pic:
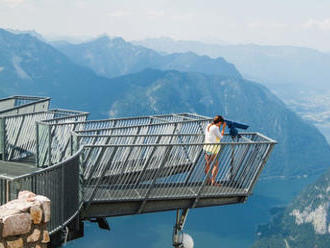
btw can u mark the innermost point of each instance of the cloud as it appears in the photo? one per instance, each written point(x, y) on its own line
point(319, 24)
point(155, 13)
point(265, 25)
point(183, 17)
point(12, 3)
point(119, 13)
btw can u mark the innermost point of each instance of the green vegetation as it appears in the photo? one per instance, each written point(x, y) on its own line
point(304, 223)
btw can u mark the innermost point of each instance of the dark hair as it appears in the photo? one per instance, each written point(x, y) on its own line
point(217, 119)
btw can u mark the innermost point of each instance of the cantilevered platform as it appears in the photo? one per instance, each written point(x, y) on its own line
point(121, 166)
point(121, 208)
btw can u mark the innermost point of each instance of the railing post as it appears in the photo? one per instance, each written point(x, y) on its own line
point(71, 142)
point(62, 193)
point(3, 138)
point(68, 144)
point(16, 139)
point(81, 178)
point(7, 191)
point(37, 145)
point(49, 145)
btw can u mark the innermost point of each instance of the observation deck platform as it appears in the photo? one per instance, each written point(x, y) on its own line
point(121, 166)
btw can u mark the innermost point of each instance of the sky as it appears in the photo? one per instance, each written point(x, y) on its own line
point(267, 22)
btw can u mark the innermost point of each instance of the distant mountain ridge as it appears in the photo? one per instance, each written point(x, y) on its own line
point(33, 33)
point(30, 66)
point(304, 223)
point(116, 57)
point(271, 65)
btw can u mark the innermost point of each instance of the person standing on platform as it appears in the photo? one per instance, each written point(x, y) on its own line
point(213, 134)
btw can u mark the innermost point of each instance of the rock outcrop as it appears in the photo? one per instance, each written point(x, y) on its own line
point(23, 222)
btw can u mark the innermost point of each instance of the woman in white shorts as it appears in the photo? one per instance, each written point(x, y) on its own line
point(213, 135)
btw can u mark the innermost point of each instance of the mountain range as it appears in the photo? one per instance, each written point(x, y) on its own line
point(30, 66)
point(116, 57)
point(304, 223)
point(271, 65)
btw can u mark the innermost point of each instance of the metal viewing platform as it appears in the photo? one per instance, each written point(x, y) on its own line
point(99, 168)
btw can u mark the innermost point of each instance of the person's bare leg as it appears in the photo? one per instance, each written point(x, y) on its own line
point(207, 164)
point(208, 159)
point(215, 171)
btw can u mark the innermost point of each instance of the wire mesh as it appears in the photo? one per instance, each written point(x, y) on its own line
point(23, 104)
point(172, 166)
point(59, 183)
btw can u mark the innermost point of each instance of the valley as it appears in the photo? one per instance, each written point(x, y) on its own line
point(312, 105)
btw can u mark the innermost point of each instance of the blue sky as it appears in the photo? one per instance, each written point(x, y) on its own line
point(274, 22)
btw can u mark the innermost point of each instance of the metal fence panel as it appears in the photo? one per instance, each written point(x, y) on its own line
point(59, 183)
point(23, 104)
point(172, 168)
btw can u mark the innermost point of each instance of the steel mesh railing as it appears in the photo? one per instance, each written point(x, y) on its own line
point(169, 169)
point(23, 104)
point(60, 183)
point(53, 136)
point(167, 127)
point(56, 135)
point(18, 134)
point(20, 137)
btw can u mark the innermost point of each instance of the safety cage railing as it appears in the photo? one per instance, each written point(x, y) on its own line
point(23, 104)
point(51, 141)
point(55, 137)
point(61, 183)
point(19, 133)
point(143, 167)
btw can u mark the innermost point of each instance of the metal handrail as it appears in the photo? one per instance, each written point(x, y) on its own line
point(127, 119)
point(54, 183)
point(267, 139)
point(35, 101)
point(180, 144)
point(146, 125)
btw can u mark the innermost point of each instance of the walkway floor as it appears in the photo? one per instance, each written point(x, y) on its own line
point(106, 194)
point(10, 169)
